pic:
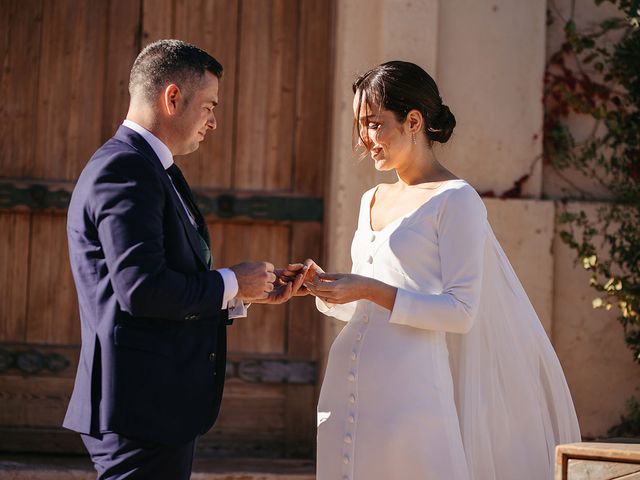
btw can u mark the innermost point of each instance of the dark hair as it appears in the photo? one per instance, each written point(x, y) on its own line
point(401, 87)
point(170, 61)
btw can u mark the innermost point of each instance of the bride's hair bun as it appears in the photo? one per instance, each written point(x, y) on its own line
point(440, 128)
point(401, 87)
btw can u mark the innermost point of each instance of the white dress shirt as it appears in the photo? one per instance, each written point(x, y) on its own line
point(236, 307)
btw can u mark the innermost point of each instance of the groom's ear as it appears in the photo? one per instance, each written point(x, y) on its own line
point(170, 98)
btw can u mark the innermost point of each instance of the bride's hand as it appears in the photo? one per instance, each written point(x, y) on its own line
point(289, 274)
point(339, 288)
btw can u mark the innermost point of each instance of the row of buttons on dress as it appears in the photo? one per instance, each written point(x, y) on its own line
point(371, 239)
point(351, 418)
point(352, 378)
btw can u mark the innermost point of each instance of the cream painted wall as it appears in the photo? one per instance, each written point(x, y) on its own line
point(590, 344)
point(525, 230)
point(491, 57)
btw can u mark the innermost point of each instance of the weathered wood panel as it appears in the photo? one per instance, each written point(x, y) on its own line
point(251, 409)
point(211, 25)
point(124, 40)
point(266, 101)
point(252, 418)
point(250, 413)
point(39, 360)
point(303, 327)
point(20, 29)
point(29, 401)
point(71, 79)
point(157, 20)
point(304, 322)
point(52, 308)
point(14, 266)
point(52, 440)
point(263, 331)
point(314, 93)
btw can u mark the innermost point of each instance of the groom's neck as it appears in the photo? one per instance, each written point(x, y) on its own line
point(146, 118)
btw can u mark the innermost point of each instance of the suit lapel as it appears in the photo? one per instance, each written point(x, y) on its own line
point(132, 138)
point(189, 229)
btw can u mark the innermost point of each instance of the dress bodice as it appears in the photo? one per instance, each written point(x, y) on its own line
point(405, 252)
point(420, 253)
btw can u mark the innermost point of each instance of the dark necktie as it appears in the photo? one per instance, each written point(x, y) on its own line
point(187, 197)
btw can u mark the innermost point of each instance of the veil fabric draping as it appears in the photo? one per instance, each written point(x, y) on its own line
point(508, 380)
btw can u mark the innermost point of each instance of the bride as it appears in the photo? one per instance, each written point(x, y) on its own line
point(443, 370)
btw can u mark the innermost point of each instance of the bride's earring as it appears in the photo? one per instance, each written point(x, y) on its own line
point(413, 137)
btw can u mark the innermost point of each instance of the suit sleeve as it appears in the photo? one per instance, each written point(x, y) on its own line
point(127, 207)
point(462, 223)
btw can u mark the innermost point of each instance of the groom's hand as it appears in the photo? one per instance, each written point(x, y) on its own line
point(285, 286)
point(310, 269)
point(295, 274)
point(255, 280)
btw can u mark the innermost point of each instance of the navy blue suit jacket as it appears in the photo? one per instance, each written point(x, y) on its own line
point(153, 350)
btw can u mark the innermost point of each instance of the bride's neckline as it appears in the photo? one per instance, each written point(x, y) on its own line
point(411, 212)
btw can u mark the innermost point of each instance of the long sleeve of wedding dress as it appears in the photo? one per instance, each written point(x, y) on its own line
point(341, 312)
point(461, 226)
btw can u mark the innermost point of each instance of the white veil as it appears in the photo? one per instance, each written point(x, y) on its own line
point(513, 402)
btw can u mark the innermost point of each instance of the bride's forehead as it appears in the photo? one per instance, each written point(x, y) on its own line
point(363, 108)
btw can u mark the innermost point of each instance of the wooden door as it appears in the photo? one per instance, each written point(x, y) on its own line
point(259, 177)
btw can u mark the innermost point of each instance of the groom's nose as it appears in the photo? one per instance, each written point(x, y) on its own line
point(211, 122)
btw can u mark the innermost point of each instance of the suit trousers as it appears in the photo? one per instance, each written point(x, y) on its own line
point(116, 457)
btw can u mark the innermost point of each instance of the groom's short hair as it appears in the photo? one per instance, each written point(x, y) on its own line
point(164, 62)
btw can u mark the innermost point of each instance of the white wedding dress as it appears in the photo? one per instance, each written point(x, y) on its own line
point(459, 381)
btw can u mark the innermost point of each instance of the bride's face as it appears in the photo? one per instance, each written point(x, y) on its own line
point(386, 139)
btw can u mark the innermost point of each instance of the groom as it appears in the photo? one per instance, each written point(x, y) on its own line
point(153, 313)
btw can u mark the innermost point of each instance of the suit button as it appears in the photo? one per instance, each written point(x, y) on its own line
point(370, 259)
point(212, 357)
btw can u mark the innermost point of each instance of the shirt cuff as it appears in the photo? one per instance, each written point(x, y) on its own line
point(237, 309)
point(230, 286)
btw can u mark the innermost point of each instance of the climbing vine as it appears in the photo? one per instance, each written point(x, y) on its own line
point(595, 74)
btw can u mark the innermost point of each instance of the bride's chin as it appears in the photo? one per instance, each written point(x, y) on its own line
point(381, 165)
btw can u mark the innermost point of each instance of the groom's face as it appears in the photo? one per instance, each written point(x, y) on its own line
point(197, 115)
